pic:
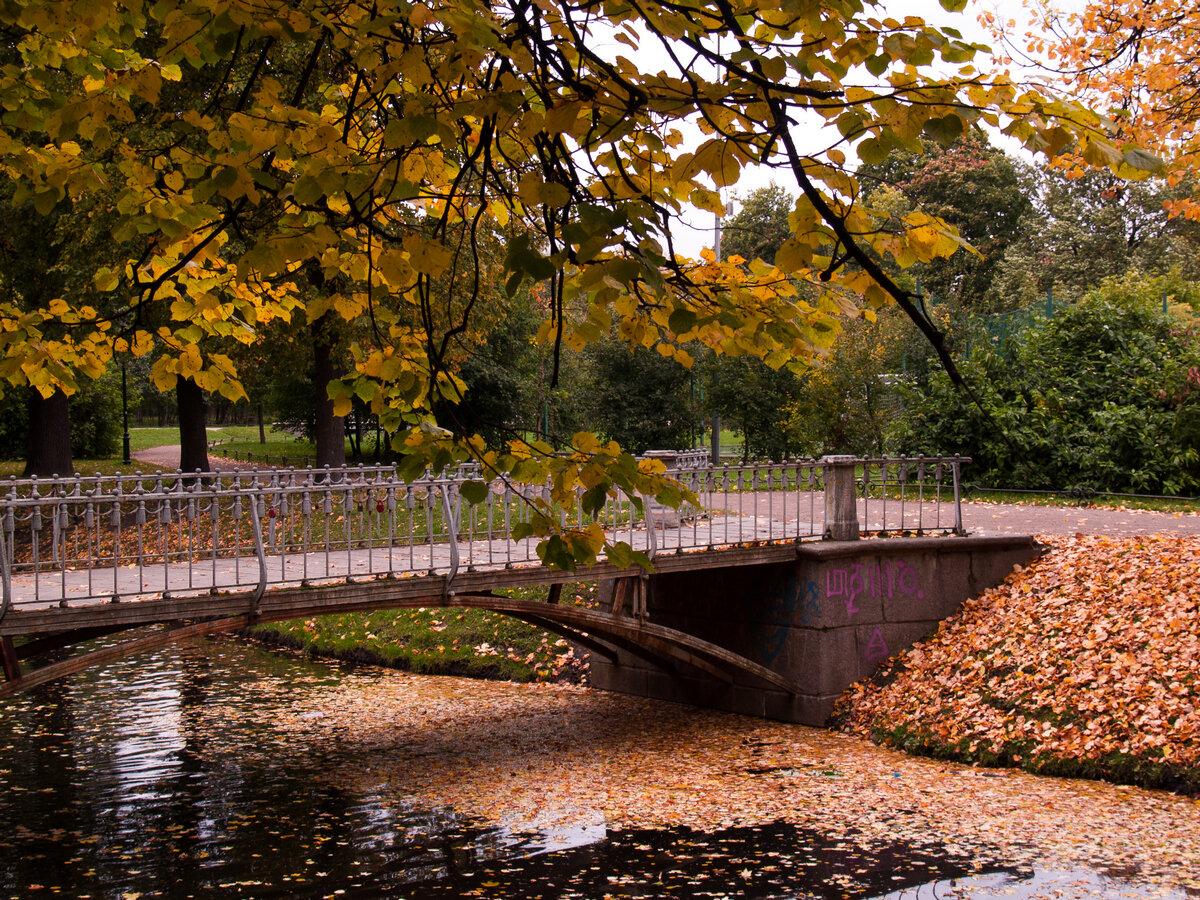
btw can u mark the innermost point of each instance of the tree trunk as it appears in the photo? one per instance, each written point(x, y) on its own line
point(193, 436)
point(49, 436)
point(331, 429)
point(262, 428)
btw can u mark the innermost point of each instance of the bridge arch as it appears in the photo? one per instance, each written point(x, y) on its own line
point(599, 631)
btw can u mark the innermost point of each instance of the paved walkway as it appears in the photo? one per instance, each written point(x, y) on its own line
point(1030, 519)
point(978, 516)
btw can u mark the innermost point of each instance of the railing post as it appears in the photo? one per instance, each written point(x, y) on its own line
point(841, 507)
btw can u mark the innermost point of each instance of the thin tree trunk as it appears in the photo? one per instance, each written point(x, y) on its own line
point(262, 429)
point(331, 429)
point(193, 436)
point(49, 435)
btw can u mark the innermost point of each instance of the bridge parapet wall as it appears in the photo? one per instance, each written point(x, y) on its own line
point(823, 621)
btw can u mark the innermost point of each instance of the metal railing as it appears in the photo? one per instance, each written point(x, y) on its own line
point(101, 538)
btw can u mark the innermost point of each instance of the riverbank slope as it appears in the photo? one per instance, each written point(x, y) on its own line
point(1085, 663)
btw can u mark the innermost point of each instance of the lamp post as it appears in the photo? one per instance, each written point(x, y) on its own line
point(125, 458)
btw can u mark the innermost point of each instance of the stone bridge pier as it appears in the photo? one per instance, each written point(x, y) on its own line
point(822, 621)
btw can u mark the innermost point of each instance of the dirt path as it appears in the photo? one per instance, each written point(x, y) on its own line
point(167, 458)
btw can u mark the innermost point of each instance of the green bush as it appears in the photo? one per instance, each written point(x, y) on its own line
point(1104, 395)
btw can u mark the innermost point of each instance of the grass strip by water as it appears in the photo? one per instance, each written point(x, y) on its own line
point(441, 640)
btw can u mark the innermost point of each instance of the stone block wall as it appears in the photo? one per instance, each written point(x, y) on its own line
point(823, 621)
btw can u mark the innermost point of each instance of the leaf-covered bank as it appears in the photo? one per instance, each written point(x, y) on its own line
point(1086, 663)
point(438, 641)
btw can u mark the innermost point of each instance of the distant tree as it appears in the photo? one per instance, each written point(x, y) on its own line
point(638, 397)
point(973, 186)
point(759, 228)
point(1085, 227)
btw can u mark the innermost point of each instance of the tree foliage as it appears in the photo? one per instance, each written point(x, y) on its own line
point(232, 148)
point(976, 188)
point(1137, 61)
point(1105, 395)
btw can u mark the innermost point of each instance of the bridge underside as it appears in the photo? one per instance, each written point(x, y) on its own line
point(622, 628)
point(778, 631)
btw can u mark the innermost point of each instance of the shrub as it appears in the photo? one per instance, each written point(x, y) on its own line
point(1106, 394)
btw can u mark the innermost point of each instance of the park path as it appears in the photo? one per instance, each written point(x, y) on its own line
point(978, 516)
point(1058, 520)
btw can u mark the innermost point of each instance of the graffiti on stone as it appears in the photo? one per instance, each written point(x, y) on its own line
point(810, 603)
point(877, 648)
point(874, 580)
point(798, 602)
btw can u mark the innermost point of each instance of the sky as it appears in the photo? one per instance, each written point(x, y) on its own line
point(697, 230)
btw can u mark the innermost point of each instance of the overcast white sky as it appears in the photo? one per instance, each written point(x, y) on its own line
point(696, 232)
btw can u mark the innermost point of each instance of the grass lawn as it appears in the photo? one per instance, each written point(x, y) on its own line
point(440, 640)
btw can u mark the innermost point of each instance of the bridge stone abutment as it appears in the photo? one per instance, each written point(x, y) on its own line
point(822, 621)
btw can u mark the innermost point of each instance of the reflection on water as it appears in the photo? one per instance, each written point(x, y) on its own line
point(166, 776)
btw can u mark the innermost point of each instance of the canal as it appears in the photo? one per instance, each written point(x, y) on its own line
point(224, 770)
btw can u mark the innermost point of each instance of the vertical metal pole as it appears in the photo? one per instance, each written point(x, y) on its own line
point(715, 450)
point(956, 468)
point(125, 458)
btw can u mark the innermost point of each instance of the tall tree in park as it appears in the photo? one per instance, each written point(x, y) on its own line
point(973, 186)
point(383, 141)
point(30, 249)
point(752, 397)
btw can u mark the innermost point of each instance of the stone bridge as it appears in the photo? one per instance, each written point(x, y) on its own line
point(762, 599)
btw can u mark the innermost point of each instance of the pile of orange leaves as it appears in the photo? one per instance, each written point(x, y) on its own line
point(1086, 663)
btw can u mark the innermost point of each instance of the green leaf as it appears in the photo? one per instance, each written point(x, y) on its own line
point(411, 466)
point(593, 500)
point(474, 492)
point(682, 321)
point(877, 65)
point(624, 556)
point(945, 130)
point(554, 552)
point(872, 151)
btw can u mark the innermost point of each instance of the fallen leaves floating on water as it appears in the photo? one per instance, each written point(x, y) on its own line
point(558, 757)
point(1086, 662)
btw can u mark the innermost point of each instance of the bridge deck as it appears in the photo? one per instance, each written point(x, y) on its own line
point(90, 557)
point(340, 580)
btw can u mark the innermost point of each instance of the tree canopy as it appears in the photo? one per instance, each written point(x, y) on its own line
point(236, 151)
point(1138, 62)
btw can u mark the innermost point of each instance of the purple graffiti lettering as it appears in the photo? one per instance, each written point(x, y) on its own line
point(854, 587)
point(835, 582)
point(877, 648)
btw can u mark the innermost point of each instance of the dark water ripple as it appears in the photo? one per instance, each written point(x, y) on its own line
point(121, 783)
